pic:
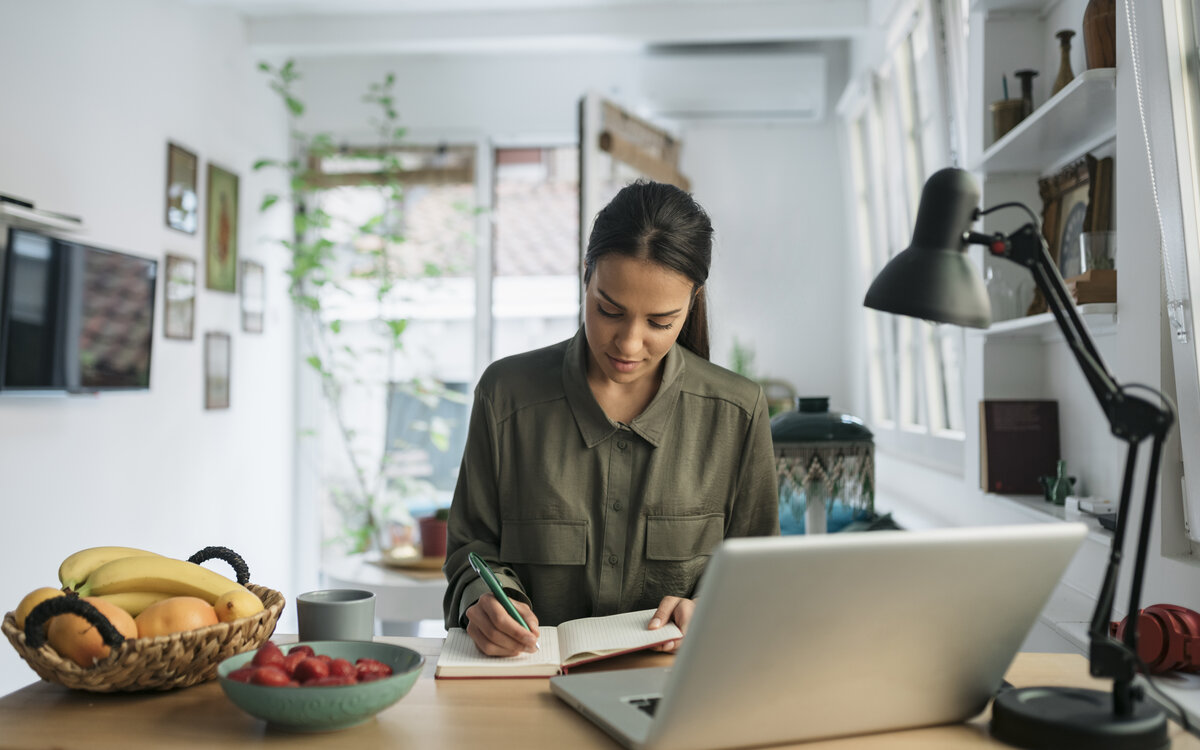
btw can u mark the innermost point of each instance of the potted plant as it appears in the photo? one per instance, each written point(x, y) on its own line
point(433, 533)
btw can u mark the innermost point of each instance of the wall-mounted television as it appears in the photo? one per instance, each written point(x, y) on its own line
point(74, 318)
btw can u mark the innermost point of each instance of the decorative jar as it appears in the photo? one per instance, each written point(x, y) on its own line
point(826, 466)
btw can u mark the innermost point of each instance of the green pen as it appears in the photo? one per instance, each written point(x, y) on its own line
point(489, 578)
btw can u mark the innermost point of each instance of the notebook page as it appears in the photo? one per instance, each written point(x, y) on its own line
point(459, 650)
point(623, 632)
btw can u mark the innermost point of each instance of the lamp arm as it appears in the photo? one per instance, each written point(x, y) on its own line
point(1026, 247)
point(1131, 419)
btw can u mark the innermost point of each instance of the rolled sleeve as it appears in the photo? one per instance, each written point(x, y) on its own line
point(474, 524)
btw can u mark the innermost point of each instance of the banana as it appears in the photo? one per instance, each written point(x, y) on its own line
point(165, 575)
point(134, 602)
point(77, 567)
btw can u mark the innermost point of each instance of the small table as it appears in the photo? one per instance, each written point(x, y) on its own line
point(497, 714)
point(402, 597)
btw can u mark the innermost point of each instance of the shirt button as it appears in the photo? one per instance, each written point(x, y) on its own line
point(616, 506)
point(612, 559)
point(622, 444)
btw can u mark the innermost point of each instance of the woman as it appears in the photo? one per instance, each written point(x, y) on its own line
point(600, 473)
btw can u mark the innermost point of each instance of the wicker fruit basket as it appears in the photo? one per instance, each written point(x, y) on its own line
point(162, 663)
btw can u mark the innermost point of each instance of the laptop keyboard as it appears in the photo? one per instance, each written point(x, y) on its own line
point(647, 704)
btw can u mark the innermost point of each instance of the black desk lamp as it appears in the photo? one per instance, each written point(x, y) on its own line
point(933, 279)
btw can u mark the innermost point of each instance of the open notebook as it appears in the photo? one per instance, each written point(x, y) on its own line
point(570, 644)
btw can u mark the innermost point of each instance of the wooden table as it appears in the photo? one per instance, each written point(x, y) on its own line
point(494, 714)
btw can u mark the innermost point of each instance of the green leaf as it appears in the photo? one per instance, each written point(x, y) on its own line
point(335, 326)
point(397, 327)
point(264, 67)
point(263, 163)
point(295, 105)
point(268, 201)
point(315, 362)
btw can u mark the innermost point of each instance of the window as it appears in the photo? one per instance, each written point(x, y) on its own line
point(897, 133)
point(392, 419)
point(407, 410)
point(535, 276)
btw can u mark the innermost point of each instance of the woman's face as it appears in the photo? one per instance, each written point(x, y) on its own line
point(633, 312)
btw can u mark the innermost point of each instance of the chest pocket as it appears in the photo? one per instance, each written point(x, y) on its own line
point(683, 537)
point(544, 542)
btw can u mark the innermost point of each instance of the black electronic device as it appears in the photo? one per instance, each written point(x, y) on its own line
point(74, 318)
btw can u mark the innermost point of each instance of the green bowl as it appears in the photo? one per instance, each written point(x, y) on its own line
point(322, 709)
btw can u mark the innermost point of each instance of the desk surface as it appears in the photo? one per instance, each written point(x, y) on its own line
point(496, 714)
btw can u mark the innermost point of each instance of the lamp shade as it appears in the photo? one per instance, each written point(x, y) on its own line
point(932, 278)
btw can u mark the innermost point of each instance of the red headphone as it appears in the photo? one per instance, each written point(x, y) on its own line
point(1168, 638)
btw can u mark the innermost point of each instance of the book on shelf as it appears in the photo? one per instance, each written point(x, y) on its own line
point(1018, 443)
point(567, 645)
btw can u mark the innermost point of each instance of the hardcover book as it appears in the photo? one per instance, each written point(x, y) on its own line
point(568, 645)
point(1018, 442)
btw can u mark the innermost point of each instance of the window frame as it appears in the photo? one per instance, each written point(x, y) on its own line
point(916, 422)
point(1181, 87)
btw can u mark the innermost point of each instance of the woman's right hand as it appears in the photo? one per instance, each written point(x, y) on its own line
point(496, 632)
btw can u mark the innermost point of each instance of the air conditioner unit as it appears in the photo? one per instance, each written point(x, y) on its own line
point(752, 86)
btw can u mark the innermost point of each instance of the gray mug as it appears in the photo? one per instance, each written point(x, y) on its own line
point(336, 615)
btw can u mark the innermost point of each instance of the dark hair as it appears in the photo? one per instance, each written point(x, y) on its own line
point(659, 222)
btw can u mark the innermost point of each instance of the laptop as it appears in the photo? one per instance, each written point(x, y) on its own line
point(809, 637)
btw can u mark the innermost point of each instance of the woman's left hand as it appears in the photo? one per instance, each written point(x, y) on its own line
point(672, 609)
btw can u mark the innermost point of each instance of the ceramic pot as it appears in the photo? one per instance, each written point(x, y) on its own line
point(433, 537)
point(1100, 33)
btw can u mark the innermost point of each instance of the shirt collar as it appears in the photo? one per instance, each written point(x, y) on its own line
point(594, 425)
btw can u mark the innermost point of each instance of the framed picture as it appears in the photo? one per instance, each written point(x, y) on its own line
point(220, 246)
point(179, 298)
point(183, 200)
point(216, 370)
point(1064, 208)
point(253, 296)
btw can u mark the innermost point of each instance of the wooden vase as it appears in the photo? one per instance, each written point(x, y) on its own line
point(1065, 73)
point(1100, 33)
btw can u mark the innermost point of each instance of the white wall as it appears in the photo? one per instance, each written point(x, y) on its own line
point(781, 252)
point(92, 95)
point(773, 188)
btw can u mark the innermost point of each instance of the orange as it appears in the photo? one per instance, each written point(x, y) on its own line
point(74, 638)
point(175, 615)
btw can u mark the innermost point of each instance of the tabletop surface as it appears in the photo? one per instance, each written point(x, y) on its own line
point(496, 714)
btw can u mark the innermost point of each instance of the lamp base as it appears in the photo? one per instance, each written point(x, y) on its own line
point(1060, 718)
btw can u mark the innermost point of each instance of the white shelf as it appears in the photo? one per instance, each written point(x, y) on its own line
point(1074, 121)
point(1009, 5)
point(31, 218)
point(1036, 507)
point(1099, 317)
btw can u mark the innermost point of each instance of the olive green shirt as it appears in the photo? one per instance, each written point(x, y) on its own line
point(578, 515)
